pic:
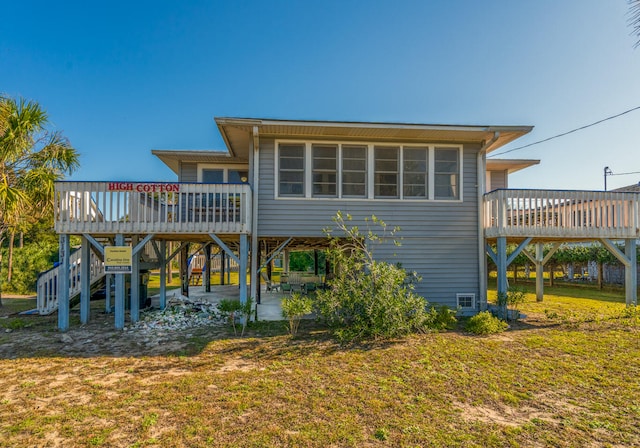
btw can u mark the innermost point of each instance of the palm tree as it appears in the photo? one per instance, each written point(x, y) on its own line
point(634, 19)
point(32, 158)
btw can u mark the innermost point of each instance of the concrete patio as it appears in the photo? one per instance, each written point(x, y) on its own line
point(269, 308)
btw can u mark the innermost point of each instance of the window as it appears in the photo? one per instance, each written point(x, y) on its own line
point(466, 301)
point(238, 176)
point(354, 171)
point(447, 176)
point(213, 176)
point(325, 170)
point(291, 169)
point(386, 172)
point(415, 173)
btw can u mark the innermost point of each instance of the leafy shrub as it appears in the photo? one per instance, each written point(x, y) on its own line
point(294, 307)
point(28, 262)
point(441, 318)
point(367, 298)
point(233, 309)
point(485, 323)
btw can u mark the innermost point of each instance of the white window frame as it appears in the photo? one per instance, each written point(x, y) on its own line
point(466, 294)
point(225, 168)
point(370, 180)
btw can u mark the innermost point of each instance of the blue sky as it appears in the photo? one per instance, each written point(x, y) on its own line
point(120, 78)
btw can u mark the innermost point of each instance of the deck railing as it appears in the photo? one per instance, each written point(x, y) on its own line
point(151, 207)
point(561, 214)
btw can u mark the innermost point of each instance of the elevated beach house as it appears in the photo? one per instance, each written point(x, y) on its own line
point(279, 183)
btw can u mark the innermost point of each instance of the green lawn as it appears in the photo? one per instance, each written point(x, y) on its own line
point(564, 380)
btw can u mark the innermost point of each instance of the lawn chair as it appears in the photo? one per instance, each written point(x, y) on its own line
point(286, 287)
point(270, 285)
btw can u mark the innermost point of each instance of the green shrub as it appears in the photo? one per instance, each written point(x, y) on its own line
point(367, 298)
point(233, 309)
point(485, 323)
point(441, 318)
point(294, 307)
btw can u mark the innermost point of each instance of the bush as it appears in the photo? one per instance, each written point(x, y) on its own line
point(233, 309)
point(293, 308)
point(28, 262)
point(486, 323)
point(441, 318)
point(368, 298)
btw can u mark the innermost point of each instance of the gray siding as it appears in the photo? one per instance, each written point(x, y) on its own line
point(440, 239)
point(498, 180)
point(188, 172)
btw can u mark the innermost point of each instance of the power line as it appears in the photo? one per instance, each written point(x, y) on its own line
point(566, 133)
point(623, 174)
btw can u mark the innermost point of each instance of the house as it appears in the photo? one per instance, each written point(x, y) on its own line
point(279, 183)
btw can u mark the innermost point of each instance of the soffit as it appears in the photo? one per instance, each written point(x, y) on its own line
point(510, 165)
point(237, 132)
point(173, 158)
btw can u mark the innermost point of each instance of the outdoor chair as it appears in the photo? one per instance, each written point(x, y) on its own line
point(286, 287)
point(270, 285)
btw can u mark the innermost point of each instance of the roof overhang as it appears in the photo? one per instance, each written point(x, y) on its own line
point(172, 158)
point(237, 132)
point(510, 165)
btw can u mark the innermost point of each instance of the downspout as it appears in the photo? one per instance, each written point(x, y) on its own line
point(255, 251)
point(481, 164)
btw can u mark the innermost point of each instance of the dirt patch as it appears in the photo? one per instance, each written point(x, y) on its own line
point(37, 336)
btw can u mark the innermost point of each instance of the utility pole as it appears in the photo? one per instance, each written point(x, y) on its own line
point(607, 172)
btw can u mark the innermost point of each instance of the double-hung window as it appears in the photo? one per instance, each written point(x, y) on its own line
point(447, 174)
point(415, 172)
point(291, 169)
point(325, 169)
point(386, 171)
point(354, 171)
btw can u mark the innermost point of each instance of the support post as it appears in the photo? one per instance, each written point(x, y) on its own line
point(120, 291)
point(107, 293)
point(63, 283)
point(85, 280)
point(315, 262)
point(184, 270)
point(631, 273)
point(285, 262)
point(242, 269)
point(501, 264)
point(539, 272)
point(206, 269)
point(134, 300)
point(222, 266)
point(163, 274)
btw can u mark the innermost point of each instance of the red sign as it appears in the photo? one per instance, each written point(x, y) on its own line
point(143, 187)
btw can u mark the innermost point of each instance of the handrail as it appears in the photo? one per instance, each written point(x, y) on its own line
point(151, 207)
point(561, 213)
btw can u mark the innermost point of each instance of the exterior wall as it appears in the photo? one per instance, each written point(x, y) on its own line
point(439, 238)
point(498, 179)
point(188, 172)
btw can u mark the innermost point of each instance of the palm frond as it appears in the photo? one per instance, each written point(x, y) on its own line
point(634, 19)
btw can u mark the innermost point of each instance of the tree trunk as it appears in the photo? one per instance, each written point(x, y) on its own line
point(1, 241)
point(550, 275)
point(515, 274)
point(12, 238)
point(21, 240)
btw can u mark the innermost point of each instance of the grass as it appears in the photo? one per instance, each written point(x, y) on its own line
point(546, 382)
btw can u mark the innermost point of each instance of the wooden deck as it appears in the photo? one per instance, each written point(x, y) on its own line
point(108, 208)
point(561, 215)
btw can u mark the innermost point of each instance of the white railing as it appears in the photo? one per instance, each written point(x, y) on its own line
point(47, 286)
point(147, 207)
point(561, 214)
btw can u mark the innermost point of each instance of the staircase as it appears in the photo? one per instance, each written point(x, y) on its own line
point(47, 298)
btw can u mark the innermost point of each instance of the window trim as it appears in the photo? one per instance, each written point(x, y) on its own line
point(225, 168)
point(370, 172)
point(466, 294)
